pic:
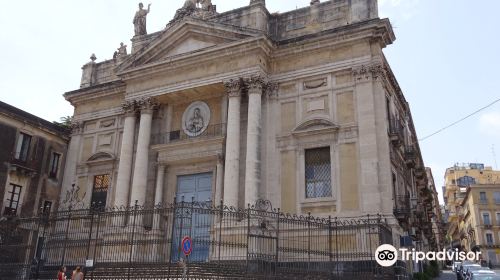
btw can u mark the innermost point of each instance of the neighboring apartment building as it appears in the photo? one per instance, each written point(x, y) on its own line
point(436, 215)
point(32, 154)
point(479, 221)
point(458, 179)
point(299, 108)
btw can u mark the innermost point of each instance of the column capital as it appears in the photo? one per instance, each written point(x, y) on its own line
point(271, 90)
point(77, 128)
point(234, 87)
point(129, 107)
point(255, 84)
point(147, 105)
point(365, 73)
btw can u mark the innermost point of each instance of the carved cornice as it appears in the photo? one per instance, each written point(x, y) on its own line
point(234, 87)
point(255, 84)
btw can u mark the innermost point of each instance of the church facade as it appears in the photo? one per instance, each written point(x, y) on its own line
point(299, 108)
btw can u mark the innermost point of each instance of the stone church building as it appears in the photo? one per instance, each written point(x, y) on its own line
point(299, 108)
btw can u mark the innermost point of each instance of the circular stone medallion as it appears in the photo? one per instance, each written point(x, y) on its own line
point(196, 118)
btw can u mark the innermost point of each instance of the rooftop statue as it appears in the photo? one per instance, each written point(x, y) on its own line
point(140, 20)
point(195, 8)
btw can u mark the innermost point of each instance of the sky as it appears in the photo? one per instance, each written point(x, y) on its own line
point(445, 58)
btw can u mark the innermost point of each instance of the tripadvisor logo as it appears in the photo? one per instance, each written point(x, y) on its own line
point(387, 255)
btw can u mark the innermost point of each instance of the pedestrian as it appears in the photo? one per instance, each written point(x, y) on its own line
point(77, 274)
point(61, 275)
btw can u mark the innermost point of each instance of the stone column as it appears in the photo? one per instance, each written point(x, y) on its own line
point(140, 179)
point(160, 178)
point(219, 179)
point(126, 155)
point(271, 153)
point(232, 167)
point(69, 177)
point(252, 169)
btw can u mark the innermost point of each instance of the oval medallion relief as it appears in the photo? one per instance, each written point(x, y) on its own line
point(196, 118)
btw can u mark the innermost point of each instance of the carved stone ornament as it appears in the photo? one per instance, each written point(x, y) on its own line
point(255, 84)
point(196, 118)
point(77, 127)
point(368, 72)
point(129, 107)
point(233, 87)
point(195, 8)
point(272, 90)
point(317, 83)
point(147, 104)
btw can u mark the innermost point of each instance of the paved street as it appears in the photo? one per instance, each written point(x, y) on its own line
point(447, 275)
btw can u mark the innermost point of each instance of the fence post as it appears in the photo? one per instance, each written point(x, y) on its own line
point(221, 213)
point(276, 269)
point(309, 241)
point(96, 240)
point(132, 240)
point(90, 232)
point(43, 238)
point(248, 236)
point(337, 246)
point(330, 249)
point(66, 237)
point(174, 213)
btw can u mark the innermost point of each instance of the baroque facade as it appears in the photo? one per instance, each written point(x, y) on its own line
point(299, 108)
point(32, 155)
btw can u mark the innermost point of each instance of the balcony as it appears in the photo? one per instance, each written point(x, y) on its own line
point(212, 131)
point(402, 207)
point(396, 132)
point(27, 165)
point(410, 157)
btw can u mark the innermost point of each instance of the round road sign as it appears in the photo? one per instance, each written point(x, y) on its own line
point(187, 245)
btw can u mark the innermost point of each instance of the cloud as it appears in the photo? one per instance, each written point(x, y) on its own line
point(489, 124)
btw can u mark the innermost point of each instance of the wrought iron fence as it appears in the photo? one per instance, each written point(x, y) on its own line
point(258, 242)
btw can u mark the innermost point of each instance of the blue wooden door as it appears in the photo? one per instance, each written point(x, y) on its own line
point(192, 220)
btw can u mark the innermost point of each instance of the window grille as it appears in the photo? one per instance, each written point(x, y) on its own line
point(318, 173)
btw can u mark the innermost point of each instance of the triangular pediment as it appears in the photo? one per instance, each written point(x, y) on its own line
point(185, 38)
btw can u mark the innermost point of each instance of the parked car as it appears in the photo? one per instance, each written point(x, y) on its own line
point(478, 271)
point(463, 270)
point(485, 277)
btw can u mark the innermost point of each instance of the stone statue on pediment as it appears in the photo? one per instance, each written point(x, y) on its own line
point(195, 8)
point(140, 20)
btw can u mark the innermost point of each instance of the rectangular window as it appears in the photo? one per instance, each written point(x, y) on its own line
point(496, 196)
point(47, 206)
point(100, 191)
point(54, 165)
point(498, 219)
point(13, 197)
point(486, 219)
point(482, 197)
point(318, 171)
point(23, 146)
point(489, 239)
